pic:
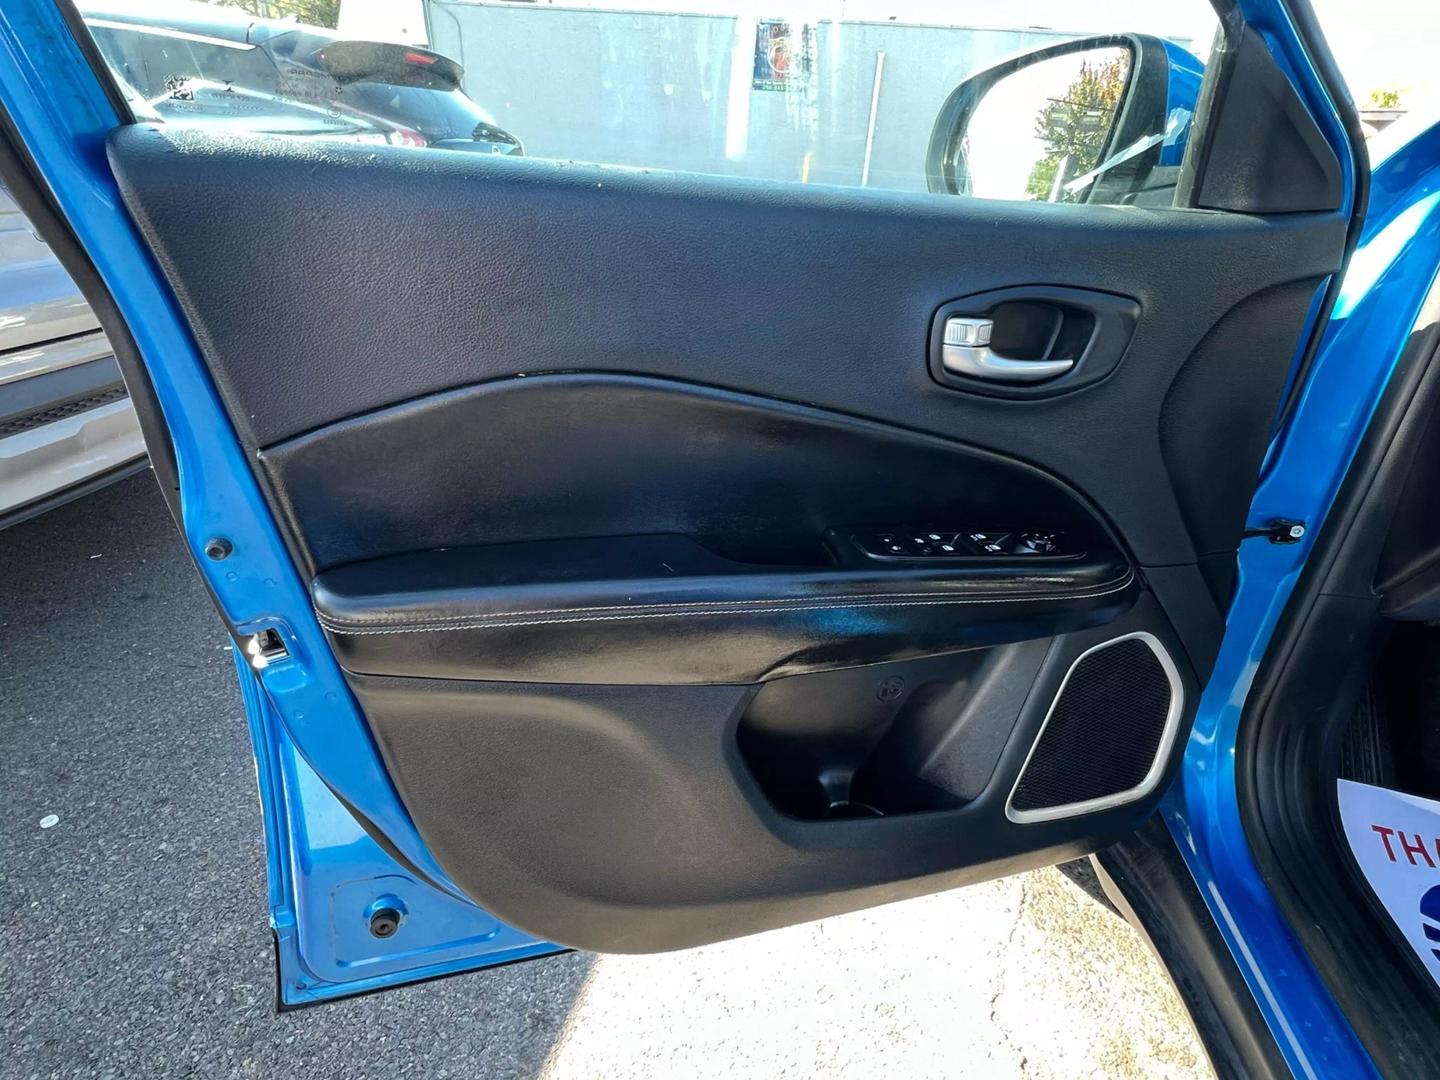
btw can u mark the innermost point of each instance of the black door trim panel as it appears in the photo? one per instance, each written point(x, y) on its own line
point(500, 613)
point(556, 457)
point(624, 818)
point(459, 269)
point(483, 394)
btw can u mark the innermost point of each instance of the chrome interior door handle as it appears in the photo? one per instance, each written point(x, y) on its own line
point(966, 351)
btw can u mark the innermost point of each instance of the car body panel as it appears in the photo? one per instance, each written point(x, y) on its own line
point(1389, 277)
point(46, 467)
point(51, 355)
point(58, 438)
point(1187, 71)
point(38, 301)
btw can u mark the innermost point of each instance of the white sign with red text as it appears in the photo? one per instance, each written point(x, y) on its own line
point(1396, 841)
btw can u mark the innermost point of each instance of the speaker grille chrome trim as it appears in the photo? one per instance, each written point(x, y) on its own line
point(1147, 784)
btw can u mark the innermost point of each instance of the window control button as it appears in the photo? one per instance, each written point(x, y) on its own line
point(991, 543)
point(945, 544)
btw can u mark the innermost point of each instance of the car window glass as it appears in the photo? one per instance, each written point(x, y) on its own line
point(844, 92)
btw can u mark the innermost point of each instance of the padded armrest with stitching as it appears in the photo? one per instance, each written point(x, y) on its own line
point(662, 610)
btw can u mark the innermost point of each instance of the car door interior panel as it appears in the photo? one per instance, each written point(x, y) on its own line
point(641, 818)
point(445, 614)
point(738, 577)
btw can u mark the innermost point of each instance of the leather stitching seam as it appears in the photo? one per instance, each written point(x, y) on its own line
point(506, 619)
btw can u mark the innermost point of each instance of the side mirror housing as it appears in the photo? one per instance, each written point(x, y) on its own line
point(1100, 120)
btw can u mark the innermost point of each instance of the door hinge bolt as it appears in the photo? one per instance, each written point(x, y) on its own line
point(218, 547)
point(1279, 531)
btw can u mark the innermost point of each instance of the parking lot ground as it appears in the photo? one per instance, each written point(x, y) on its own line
point(135, 941)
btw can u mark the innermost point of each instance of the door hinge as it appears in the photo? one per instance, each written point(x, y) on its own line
point(1279, 531)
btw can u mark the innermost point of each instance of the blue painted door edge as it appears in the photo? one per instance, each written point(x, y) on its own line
point(324, 943)
point(1388, 278)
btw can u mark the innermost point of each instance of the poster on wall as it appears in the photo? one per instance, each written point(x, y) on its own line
point(784, 54)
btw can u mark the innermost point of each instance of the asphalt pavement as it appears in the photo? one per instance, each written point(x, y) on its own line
point(135, 941)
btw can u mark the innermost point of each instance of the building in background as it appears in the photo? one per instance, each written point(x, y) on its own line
point(1385, 47)
point(821, 91)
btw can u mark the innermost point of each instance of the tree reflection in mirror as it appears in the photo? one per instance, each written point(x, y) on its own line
point(1072, 101)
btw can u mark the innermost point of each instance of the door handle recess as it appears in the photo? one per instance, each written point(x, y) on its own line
point(966, 351)
point(1053, 340)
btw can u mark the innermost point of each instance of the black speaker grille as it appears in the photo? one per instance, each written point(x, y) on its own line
point(1103, 732)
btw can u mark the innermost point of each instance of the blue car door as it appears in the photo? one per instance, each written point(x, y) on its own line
point(783, 507)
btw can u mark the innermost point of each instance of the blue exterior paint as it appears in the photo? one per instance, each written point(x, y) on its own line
point(1388, 278)
point(322, 927)
point(1186, 73)
point(62, 114)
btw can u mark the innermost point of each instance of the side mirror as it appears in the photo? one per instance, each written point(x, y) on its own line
point(1096, 120)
